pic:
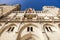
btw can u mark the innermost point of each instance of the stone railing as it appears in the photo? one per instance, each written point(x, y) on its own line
point(39, 18)
point(18, 19)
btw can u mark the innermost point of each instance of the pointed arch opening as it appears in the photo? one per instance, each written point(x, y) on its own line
point(23, 27)
point(8, 26)
point(48, 27)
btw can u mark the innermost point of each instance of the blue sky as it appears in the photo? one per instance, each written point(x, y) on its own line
point(36, 4)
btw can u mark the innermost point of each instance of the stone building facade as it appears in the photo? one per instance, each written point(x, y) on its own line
point(29, 24)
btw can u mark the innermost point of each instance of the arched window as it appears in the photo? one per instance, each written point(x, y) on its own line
point(29, 29)
point(10, 29)
point(48, 27)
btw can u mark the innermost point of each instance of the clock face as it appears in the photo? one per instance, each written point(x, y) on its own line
point(36, 4)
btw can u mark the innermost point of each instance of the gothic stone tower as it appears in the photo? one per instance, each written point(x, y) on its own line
point(29, 24)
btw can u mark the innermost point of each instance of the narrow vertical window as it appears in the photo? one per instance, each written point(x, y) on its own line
point(9, 29)
point(50, 29)
point(31, 28)
point(27, 28)
point(12, 29)
point(47, 28)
